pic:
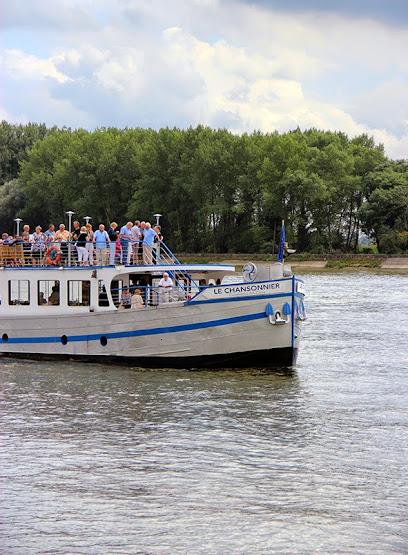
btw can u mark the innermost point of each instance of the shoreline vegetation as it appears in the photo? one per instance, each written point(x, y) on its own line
point(308, 262)
point(216, 191)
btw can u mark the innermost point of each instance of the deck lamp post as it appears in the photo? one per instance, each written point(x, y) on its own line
point(87, 218)
point(69, 214)
point(18, 220)
point(157, 216)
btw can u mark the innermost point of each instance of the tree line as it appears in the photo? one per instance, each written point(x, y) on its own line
point(218, 192)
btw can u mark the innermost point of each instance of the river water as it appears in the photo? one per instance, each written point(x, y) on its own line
point(100, 459)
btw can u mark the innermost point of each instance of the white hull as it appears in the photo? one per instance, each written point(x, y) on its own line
point(222, 326)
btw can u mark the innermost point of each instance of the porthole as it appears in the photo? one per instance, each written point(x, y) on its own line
point(64, 339)
point(5, 337)
point(103, 341)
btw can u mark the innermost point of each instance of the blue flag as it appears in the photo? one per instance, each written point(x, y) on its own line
point(282, 243)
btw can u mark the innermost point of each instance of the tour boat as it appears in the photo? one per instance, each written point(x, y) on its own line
point(210, 318)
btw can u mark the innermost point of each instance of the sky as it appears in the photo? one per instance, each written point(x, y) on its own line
point(243, 65)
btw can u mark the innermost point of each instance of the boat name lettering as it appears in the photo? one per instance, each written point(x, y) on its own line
point(250, 288)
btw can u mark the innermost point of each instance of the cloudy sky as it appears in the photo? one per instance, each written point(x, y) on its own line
point(240, 64)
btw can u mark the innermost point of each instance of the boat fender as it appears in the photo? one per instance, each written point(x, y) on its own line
point(269, 313)
point(299, 312)
point(287, 311)
point(53, 255)
point(302, 307)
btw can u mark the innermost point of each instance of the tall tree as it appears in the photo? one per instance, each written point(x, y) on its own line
point(15, 143)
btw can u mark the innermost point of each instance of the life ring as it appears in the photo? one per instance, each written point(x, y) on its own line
point(53, 256)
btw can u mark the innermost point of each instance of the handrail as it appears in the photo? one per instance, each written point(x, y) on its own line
point(168, 251)
point(155, 295)
point(67, 254)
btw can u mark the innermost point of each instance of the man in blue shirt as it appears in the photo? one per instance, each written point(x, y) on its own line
point(125, 237)
point(50, 234)
point(149, 235)
point(101, 240)
point(6, 240)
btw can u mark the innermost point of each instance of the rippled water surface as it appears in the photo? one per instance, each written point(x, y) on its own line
point(99, 459)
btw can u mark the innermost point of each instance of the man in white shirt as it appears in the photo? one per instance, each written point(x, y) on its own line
point(166, 286)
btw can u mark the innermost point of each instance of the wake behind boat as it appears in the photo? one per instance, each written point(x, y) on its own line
point(207, 318)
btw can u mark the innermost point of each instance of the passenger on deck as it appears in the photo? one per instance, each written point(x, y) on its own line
point(6, 256)
point(166, 286)
point(82, 240)
point(38, 246)
point(89, 244)
point(125, 240)
point(26, 244)
point(5, 239)
point(113, 235)
point(118, 251)
point(17, 251)
point(135, 241)
point(149, 235)
point(49, 235)
point(137, 301)
point(75, 233)
point(101, 241)
point(61, 238)
point(157, 240)
point(141, 239)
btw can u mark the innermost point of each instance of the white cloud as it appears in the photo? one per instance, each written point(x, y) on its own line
point(49, 110)
point(19, 65)
point(7, 116)
point(122, 71)
point(241, 83)
point(385, 106)
point(218, 63)
point(47, 14)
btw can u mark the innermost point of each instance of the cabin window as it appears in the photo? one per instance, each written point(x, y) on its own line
point(79, 293)
point(19, 291)
point(48, 292)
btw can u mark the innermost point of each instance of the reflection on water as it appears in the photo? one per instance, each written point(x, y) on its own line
point(101, 459)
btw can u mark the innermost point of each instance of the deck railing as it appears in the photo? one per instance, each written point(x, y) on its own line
point(55, 253)
point(155, 296)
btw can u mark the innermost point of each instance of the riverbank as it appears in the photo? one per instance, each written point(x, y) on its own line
point(308, 263)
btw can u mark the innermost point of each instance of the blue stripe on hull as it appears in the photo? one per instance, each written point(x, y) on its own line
point(139, 333)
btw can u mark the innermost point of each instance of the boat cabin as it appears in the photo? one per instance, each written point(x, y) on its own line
point(100, 288)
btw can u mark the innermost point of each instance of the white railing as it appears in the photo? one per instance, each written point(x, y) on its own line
point(57, 253)
point(152, 295)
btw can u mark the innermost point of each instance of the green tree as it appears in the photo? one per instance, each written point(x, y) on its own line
point(15, 143)
point(12, 200)
point(385, 211)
